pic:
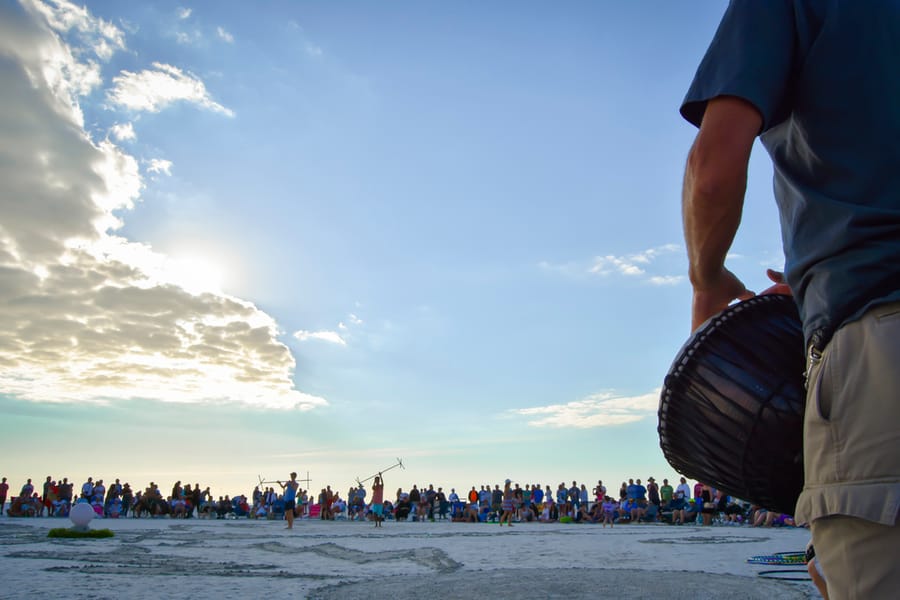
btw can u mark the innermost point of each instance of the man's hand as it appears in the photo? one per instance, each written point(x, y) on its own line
point(780, 287)
point(713, 297)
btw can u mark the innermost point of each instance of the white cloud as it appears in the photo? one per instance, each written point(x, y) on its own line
point(123, 132)
point(598, 410)
point(160, 165)
point(184, 13)
point(313, 50)
point(640, 266)
point(101, 37)
point(630, 265)
point(666, 279)
point(86, 316)
point(331, 337)
point(224, 35)
point(153, 90)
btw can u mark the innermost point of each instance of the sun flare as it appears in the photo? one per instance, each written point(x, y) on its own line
point(195, 274)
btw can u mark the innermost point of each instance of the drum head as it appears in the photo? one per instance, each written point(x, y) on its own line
point(731, 408)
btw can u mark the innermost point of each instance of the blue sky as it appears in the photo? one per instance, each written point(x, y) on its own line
point(240, 239)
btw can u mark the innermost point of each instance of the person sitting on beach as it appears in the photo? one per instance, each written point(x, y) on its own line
point(581, 514)
point(153, 502)
point(207, 509)
point(548, 513)
point(258, 509)
point(623, 513)
point(113, 507)
point(21, 506)
point(223, 507)
point(727, 507)
point(638, 509)
point(242, 507)
point(595, 512)
point(338, 507)
point(177, 507)
point(468, 514)
point(97, 505)
point(677, 506)
point(691, 510)
point(388, 509)
point(61, 508)
point(527, 514)
point(137, 504)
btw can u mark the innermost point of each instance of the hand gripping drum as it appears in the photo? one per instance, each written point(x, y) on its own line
point(731, 408)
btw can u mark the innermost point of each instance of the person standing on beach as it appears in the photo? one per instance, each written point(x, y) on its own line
point(289, 497)
point(378, 500)
point(818, 82)
point(4, 492)
point(507, 504)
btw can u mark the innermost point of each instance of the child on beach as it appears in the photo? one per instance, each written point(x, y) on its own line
point(609, 512)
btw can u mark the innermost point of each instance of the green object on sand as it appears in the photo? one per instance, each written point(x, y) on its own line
point(64, 532)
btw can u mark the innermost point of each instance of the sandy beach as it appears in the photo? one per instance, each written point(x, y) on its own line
point(152, 558)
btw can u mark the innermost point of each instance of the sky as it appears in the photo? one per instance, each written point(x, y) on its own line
point(243, 239)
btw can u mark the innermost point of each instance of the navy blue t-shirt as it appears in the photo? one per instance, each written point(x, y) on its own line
point(825, 76)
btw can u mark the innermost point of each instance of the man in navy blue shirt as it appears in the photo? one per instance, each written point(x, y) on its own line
point(819, 82)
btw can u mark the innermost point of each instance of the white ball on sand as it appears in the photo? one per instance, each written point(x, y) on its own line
point(81, 514)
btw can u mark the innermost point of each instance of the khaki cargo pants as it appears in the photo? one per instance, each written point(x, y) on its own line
point(851, 493)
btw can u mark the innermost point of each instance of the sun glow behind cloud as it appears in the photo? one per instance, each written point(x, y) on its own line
point(85, 315)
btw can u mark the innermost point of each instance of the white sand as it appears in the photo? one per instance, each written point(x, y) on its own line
point(155, 558)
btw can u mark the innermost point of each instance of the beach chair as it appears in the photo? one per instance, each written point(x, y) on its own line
point(314, 511)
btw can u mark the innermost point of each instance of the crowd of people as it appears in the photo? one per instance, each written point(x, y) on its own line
point(634, 502)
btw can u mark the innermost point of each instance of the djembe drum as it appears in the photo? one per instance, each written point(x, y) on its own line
point(731, 408)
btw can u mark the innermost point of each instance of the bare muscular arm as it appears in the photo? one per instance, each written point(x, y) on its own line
point(715, 179)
